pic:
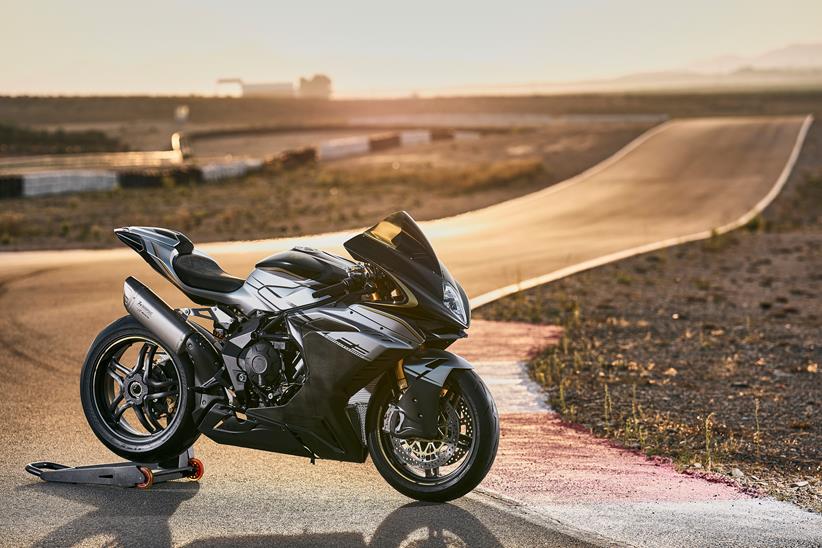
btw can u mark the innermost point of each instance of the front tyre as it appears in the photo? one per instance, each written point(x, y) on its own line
point(137, 395)
point(446, 468)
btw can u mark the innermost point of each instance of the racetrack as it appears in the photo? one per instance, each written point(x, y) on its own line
point(680, 180)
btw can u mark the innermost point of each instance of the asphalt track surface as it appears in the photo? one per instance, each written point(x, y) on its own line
point(681, 179)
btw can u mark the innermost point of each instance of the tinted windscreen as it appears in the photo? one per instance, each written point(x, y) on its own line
point(399, 232)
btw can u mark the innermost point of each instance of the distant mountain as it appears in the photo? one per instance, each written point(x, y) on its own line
point(794, 57)
point(795, 67)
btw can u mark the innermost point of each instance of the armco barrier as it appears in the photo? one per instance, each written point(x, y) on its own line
point(11, 186)
point(58, 182)
point(156, 177)
point(343, 147)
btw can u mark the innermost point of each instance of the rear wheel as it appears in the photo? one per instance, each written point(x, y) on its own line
point(439, 469)
point(136, 394)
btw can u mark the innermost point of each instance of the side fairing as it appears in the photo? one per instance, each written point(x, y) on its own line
point(344, 350)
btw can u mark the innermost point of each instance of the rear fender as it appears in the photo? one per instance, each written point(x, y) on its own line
point(426, 373)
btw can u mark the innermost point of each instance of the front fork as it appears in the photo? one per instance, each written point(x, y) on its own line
point(421, 382)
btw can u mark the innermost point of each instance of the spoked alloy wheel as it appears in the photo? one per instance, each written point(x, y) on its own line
point(136, 394)
point(137, 388)
point(450, 465)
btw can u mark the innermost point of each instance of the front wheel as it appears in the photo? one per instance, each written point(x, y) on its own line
point(442, 469)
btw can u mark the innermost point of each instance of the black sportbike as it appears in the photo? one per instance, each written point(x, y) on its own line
point(312, 355)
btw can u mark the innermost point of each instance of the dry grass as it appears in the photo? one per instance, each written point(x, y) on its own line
point(16, 141)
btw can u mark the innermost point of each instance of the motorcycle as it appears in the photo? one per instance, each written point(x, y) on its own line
point(312, 355)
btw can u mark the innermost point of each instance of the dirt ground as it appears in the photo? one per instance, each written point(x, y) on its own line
point(454, 177)
point(708, 353)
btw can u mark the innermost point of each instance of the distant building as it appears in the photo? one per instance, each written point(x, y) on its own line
point(317, 87)
point(273, 89)
point(282, 90)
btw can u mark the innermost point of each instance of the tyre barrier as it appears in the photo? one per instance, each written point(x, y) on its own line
point(160, 177)
point(141, 179)
point(442, 134)
point(383, 141)
point(11, 186)
point(295, 158)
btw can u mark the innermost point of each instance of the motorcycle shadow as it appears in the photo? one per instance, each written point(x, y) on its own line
point(121, 517)
point(129, 517)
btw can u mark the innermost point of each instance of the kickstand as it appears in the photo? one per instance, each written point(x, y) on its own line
point(121, 474)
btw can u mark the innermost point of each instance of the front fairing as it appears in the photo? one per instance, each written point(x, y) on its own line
point(397, 245)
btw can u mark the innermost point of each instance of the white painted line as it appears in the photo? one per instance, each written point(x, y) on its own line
point(653, 246)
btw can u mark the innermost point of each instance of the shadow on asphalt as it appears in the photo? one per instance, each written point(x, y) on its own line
point(128, 517)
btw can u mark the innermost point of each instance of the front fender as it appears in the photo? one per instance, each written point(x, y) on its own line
point(426, 373)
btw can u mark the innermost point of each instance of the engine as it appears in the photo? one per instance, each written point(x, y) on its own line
point(274, 371)
point(263, 363)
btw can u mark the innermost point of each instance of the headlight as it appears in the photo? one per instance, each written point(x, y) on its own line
point(453, 302)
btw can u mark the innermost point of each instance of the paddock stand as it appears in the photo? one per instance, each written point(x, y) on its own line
point(121, 474)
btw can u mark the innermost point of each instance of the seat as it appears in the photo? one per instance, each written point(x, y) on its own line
point(203, 273)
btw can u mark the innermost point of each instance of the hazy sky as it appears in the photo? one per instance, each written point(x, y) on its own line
point(85, 47)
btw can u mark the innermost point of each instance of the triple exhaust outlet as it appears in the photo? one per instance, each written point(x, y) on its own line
point(171, 329)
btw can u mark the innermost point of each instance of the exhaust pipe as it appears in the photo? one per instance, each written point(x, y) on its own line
point(171, 329)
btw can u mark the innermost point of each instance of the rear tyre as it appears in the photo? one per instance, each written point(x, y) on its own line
point(136, 394)
point(443, 469)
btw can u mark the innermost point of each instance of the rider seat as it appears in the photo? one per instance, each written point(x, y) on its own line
point(202, 272)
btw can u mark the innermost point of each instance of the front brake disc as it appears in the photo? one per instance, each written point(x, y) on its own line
point(430, 454)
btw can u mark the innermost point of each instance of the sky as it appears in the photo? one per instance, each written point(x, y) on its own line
point(375, 48)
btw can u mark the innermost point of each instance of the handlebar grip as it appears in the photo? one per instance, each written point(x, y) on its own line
point(335, 290)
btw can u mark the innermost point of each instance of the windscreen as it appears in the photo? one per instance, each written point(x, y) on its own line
point(397, 245)
point(401, 233)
